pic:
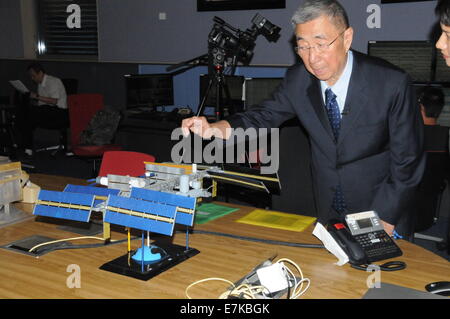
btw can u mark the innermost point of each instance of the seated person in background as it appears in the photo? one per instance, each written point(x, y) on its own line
point(431, 102)
point(49, 109)
point(437, 170)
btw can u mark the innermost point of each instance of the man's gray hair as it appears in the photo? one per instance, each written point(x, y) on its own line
point(312, 9)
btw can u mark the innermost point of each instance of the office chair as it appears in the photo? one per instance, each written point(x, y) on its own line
point(430, 192)
point(71, 86)
point(82, 108)
point(124, 163)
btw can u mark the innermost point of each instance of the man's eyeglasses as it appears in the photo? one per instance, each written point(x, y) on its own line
point(320, 47)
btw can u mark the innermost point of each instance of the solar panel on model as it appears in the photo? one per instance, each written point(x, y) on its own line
point(101, 194)
point(100, 191)
point(64, 205)
point(138, 214)
point(185, 217)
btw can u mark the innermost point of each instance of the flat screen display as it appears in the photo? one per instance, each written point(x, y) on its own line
point(415, 57)
point(364, 223)
point(149, 90)
point(259, 89)
point(235, 85)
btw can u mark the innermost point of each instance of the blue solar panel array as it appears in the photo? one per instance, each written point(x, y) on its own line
point(147, 210)
point(56, 198)
point(151, 213)
point(169, 199)
point(98, 191)
point(161, 197)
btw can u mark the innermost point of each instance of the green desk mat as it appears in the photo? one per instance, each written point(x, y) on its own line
point(210, 211)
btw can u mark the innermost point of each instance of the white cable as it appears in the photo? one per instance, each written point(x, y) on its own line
point(247, 291)
point(62, 240)
point(203, 280)
point(297, 289)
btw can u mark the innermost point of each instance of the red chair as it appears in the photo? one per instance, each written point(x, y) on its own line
point(124, 163)
point(82, 108)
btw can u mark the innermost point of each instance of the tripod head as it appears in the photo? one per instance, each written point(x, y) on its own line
point(227, 45)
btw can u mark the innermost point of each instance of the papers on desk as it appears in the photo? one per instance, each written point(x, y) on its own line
point(19, 86)
point(209, 211)
point(279, 220)
point(330, 244)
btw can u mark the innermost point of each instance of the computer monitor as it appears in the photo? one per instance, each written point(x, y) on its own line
point(148, 90)
point(259, 89)
point(235, 86)
point(415, 57)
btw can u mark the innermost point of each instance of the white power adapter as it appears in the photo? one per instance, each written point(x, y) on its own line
point(273, 277)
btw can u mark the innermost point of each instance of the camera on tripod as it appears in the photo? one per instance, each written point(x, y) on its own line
point(227, 46)
point(226, 42)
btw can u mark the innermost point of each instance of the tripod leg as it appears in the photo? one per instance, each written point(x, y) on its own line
point(231, 108)
point(201, 107)
point(219, 105)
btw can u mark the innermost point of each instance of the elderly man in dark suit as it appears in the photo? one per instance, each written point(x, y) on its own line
point(361, 114)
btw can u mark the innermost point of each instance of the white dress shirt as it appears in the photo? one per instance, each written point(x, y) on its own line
point(340, 88)
point(53, 87)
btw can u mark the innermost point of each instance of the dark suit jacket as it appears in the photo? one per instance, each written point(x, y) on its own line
point(378, 158)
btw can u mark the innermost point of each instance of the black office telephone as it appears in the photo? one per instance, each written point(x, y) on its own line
point(363, 239)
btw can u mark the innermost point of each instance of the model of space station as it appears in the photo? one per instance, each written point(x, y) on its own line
point(12, 180)
point(164, 197)
point(10, 187)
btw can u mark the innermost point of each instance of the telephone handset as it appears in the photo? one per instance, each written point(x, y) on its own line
point(364, 241)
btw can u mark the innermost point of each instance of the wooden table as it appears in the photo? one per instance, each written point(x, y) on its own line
point(23, 276)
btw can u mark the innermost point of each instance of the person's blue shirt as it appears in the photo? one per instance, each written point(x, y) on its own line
point(340, 88)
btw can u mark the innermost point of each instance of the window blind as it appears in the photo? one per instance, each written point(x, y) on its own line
point(67, 33)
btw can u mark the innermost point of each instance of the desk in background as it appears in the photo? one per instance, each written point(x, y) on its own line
point(45, 277)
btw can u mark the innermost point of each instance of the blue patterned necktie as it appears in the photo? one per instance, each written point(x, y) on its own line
point(334, 117)
point(333, 112)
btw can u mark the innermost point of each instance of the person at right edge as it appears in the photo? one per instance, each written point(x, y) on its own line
point(361, 115)
point(443, 44)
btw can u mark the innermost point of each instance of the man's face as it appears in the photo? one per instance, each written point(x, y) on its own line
point(37, 77)
point(443, 43)
point(329, 63)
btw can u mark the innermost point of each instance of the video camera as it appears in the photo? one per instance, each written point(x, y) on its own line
point(226, 42)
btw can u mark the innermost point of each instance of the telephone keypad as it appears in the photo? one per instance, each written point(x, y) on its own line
point(378, 246)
